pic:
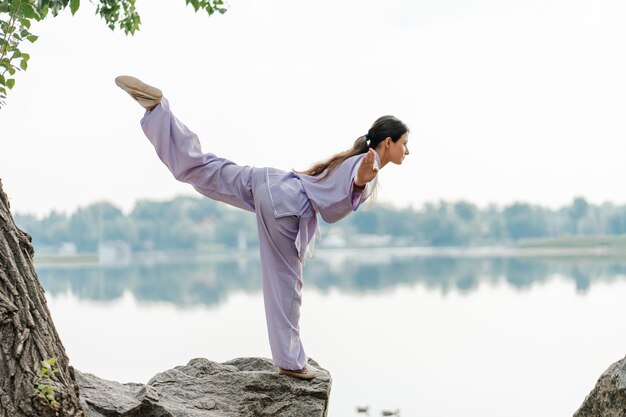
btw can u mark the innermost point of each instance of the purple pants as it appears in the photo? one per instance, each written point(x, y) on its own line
point(247, 188)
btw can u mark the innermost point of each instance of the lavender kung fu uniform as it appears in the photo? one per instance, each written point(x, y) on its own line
point(286, 206)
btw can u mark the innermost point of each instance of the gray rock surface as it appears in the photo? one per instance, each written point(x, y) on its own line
point(238, 388)
point(608, 397)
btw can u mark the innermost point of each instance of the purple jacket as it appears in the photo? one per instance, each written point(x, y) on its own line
point(332, 196)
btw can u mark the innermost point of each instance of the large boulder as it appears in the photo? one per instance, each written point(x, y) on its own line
point(238, 388)
point(608, 397)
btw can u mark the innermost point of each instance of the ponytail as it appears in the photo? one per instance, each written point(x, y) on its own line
point(384, 127)
point(360, 146)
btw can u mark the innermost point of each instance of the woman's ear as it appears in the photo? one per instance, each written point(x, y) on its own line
point(388, 141)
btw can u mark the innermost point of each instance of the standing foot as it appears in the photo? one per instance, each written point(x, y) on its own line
point(308, 372)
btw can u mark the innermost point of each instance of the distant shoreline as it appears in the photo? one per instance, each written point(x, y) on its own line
point(536, 249)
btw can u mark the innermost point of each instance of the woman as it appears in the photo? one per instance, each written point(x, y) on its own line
point(286, 204)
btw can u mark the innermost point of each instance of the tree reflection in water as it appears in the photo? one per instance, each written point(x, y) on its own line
point(194, 280)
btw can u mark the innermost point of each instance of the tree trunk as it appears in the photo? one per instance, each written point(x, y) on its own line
point(28, 336)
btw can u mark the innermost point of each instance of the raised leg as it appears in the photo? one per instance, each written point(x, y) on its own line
point(179, 149)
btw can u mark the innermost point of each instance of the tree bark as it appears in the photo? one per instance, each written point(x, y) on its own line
point(27, 334)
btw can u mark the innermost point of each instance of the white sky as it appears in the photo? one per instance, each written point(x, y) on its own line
point(506, 100)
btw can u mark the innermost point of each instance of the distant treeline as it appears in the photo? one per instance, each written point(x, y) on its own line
point(200, 223)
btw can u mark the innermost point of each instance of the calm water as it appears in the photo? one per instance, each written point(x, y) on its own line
point(431, 336)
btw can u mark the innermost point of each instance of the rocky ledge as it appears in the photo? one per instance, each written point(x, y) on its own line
point(608, 397)
point(238, 388)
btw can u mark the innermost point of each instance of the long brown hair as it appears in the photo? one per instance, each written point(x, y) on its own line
point(384, 127)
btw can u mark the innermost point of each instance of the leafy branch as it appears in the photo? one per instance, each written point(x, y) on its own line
point(16, 17)
point(15, 21)
point(44, 386)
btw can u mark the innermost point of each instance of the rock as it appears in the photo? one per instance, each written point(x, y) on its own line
point(238, 388)
point(608, 397)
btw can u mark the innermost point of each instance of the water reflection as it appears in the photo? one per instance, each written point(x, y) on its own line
point(194, 280)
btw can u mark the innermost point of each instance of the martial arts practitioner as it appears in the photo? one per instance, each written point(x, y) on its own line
point(286, 204)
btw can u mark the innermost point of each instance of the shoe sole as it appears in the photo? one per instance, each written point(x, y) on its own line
point(135, 87)
point(300, 375)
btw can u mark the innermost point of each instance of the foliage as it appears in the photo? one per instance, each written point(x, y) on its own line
point(44, 387)
point(16, 17)
point(99, 222)
point(15, 22)
point(191, 223)
point(523, 221)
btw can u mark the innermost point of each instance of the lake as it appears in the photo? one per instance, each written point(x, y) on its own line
point(431, 335)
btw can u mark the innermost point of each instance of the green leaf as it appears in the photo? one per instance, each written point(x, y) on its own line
point(30, 12)
point(24, 64)
point(74, 5)
point(10, 83)
point(4, 63)
point(32, 38)
point(52, 361)
point(25, 23)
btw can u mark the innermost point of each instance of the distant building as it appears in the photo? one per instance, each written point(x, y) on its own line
point(67, 249)
point(114, 252)
point(334, 238)
point(371, 240)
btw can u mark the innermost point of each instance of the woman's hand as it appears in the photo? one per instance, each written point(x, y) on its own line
point(366, 171)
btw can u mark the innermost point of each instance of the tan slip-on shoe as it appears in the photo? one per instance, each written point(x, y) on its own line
point(146, 95)
point(309, 372)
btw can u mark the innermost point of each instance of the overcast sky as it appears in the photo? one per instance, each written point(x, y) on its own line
point(506, 100)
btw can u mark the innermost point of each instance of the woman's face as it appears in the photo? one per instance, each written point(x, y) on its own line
point(398, 150)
